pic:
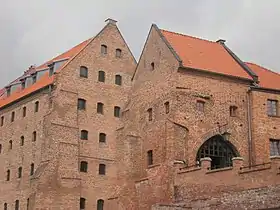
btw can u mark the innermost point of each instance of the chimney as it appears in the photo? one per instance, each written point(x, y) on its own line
point(111, 21)
point(221, 41)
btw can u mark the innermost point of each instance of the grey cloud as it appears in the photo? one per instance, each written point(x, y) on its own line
point(34, 31)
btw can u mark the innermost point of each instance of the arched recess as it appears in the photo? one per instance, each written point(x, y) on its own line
point(219, 150)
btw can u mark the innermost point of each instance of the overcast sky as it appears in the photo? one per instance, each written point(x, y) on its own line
point(34, 31)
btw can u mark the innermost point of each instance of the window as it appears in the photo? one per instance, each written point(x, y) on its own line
point(84, 135)
point(17, 205)
point(150, 157)
point(34, 78)
point(34, 136)
point(31, 169)
point(118, 53)
point(36, 106)
point(83, 166)
point(233, 111)
point(272, 107)
point(166, 105)
point(8, 91)
point(0, 148)
point(152, 66)
point(118, 80)
point(10, 144)
point(102, 137)
point(5, 206)
point(102, 169)
point(2, 120)
point(27, 204)
point(274, 147)
point(13, 117)
point(81, 104)
point(101, 76)
point(8, 175)
point(100, 108)
point(117, 111)
point(103, 49)
point(19, 172)
point(21, 140)
point(22, 84)
point(150, 114)
point(24, 112)
point(82, 203)
point(100, 204)
point(200, 106)
point(83, 72)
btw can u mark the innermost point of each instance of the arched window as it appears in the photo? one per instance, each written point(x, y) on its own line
point(10, 144)
point(13, 117)
point(101, 76)
point(118, 53)
point(84, 135)
point(118, 80)
point(103, 49)
point(102, 169)
point(83, 72)
point(82, 203)
point(19, 172)
point(81, 104)
point(34, 136)
point(219, 150)
point(24, 112)
point(5, 206)
point(83, 166)
point(100, 107)
point(8, 175)
point(100, 204)
point(21, 140)
point(31, 169)
point(36, 106)
point(117, 111)
point(17, 205)
point(102, 137)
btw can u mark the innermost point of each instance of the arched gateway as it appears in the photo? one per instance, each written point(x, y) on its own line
point(219, 150)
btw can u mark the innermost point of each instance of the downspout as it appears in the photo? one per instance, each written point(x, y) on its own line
point(249, 120)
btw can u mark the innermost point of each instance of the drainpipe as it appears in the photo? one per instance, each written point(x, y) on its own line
point(249, 120)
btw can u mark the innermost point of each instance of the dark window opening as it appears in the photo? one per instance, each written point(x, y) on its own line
point(17, 205)
point(100, 107)
point(24, 112)
point(13, 117)
point(150, 114)
point(31, 169)
point(21, 140)
point(10, 144)
point(34, 136)
point(272, 107)
point(167, 107)
point(23, 84)
point(118, 80)
point(36, 106)
point(81, 104)
point(19, 172)
point(27, 204)
point(83, 166)
point(102, 137)
point(82, 203)
point(102, 169)
point(5, 206)
point(84, 135)
point(34, 78)
point(274, 147)
point(103, 49)
point(100, 204)
point(8, 91)
point(0, 148)
point(101, 76)
point(83, 72)
point(2, 120)
point(233, 111)
point(220, 151)
point(117, 111)
point(8, 175)
point(150, 157)
point(152, 66)
point(118, 53)
point(200, 106)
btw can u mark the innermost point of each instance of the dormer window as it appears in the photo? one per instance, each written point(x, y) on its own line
point(51, 69)
point(8, 91)
point(34, 78)
point(22, 84)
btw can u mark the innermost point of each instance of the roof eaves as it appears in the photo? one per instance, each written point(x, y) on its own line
point(263, 89)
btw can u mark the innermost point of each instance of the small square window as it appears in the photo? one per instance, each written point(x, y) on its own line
point(117, 111)
point(24, 112)
point(102, 137)
point(200, 106)
point(81, 104)
point(102, 169)
point(101, 76)
point(118, 80)
point(274, 147)
point(118, 53)
point(150, 114)
point(100, 108)
point(272, 107)
point(103, 49)
point(84, 135)
point(167, 107)
point(83, 166)
point(233, 111)
point(83, 72)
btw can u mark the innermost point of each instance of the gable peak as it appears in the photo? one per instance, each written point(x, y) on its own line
point(111, 21)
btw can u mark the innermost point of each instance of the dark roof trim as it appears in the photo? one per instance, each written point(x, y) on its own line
point(216, 74)
point(168, 45)
point(267, 90)
point(240, 62)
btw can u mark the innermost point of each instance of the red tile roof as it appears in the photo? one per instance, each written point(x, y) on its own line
point(204, 55)
point(45, 80)
point(267, 78)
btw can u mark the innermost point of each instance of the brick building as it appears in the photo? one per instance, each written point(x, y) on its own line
point(190, 126)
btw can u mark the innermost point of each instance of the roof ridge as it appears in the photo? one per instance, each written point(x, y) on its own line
point(263, 68)
point(181, 34)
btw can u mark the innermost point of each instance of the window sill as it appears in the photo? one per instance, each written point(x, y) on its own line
point(153, 166)
point(274, 116)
